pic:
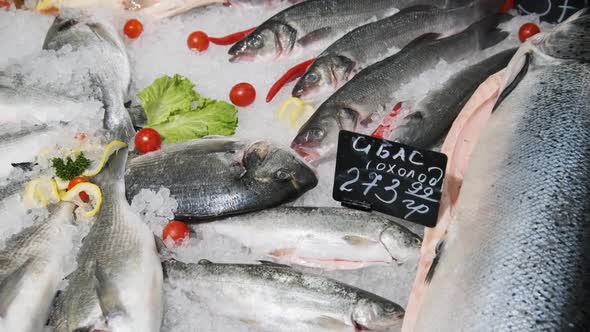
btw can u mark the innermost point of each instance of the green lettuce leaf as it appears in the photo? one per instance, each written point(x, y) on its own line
point(211, 117)
point(166, 96)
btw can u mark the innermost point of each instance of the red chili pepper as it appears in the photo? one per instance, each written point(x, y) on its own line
point(384, 127)
point(291, 75)
point(231, 39)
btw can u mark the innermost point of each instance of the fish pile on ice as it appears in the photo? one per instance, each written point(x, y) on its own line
point(269, 250)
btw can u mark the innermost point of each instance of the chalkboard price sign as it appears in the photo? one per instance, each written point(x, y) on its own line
point(393, 178)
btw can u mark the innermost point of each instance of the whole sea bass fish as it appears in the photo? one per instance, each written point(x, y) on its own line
point(279, 298)
point(215, 177)
point(32, 264)
point(424, 123)
point(372, 93)
point(330, 238)
point(312, 21)
point(373, 42)
point(516, 256)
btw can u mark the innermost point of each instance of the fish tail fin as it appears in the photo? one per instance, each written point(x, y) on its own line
point(487, 32)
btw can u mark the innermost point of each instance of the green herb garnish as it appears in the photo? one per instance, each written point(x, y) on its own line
point(68, 169)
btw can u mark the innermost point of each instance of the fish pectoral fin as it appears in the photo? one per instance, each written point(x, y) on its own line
point(108, 295)
point(269, 263)
point(425, 38)
point(330, 323)
point(24, 166)
point(314, 36)
point(282, 252)
point(358, 241)
point(10, 286)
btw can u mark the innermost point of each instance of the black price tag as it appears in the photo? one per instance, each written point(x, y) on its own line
point(393, 178)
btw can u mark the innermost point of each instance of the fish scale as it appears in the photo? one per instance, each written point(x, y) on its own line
point(517, 256)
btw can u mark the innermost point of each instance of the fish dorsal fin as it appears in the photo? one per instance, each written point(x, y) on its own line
point(425, 38)
point(269, 263)
point(314, 36)
point(10, 286)
point(108, 294)
point(205, 262)
point(358, 241)
point(514, 83)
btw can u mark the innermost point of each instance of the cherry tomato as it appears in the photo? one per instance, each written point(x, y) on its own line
point(506, 6)
point(177, 231)
point(73, 182)
point(527, 30)
point(4, 4)
point(133, 28)
point(147, 140)
point(242, 94)
point(198, 41)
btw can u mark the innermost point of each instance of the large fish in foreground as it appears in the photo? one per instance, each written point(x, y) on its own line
point(516, 256)
point(216, 177)
point(32, 264)
point(331, 238)
point(118, 283)
point(371, 94)
point(313, 21)
point(373, 42)
point(278, 298)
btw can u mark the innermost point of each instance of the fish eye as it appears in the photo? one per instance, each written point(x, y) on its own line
point(311, 77)
point(254, 42)
point(316, 133)
point(283, 175)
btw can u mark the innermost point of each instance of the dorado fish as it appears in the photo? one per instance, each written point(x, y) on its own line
point(370, 43)
point(371, 94)
point(331, 238)
point(423, 124)
point(31, 267)
point(516, 256)
point(279, 298)
point(310, 22)
point(118, 283)
point(217, 177)
point(111, 74)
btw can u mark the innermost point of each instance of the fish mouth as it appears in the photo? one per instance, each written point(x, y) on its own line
point(308, 154)
point(241, 57)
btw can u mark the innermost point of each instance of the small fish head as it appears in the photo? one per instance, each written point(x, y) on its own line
point(325, 75)
point(318, 137)
point(279, 170)
point(377, 314)
point(401, 244)
point(270, 40)
point(80, 32)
